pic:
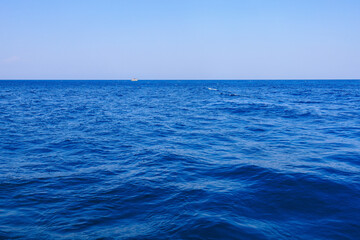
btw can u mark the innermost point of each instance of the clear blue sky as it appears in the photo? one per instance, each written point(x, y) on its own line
point(179, 39)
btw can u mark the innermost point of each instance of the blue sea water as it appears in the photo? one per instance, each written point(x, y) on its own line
point(180, 160)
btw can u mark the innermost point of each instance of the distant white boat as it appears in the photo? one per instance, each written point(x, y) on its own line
point(134, 79)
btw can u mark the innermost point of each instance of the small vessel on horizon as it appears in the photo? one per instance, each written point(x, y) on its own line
point(134, 79)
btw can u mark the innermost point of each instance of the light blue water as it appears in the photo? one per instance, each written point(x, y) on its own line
point(180, 160)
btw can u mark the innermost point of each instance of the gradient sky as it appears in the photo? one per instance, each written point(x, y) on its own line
point(179, 39)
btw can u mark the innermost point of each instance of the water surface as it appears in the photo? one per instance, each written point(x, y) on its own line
point(180, 160)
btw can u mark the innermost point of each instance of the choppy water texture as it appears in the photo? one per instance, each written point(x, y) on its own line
point(180, 160)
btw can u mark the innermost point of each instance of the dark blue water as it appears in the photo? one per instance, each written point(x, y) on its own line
point(180, 160)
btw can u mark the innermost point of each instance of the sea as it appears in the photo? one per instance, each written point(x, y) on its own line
point(244, 159)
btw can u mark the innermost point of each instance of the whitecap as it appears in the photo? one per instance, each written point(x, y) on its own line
point(212, 89)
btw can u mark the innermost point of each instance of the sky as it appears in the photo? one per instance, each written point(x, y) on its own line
point(180, 39)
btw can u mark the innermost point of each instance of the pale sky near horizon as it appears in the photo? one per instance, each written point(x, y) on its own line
point(180, 39)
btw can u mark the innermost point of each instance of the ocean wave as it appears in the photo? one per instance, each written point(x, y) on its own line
point(179, 160)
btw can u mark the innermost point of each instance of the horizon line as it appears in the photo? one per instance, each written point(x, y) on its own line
point(177, 79)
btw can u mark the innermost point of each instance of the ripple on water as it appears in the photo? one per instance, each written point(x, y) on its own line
point(179, 160)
